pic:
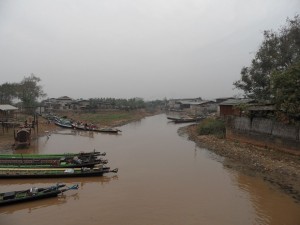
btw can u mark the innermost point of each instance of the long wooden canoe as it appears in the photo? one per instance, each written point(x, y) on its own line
point(96, 129)
point(52, 156)
point(33, 194)
point(45, 163)
point(54, 172)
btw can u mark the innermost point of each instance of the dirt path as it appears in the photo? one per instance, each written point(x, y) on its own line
point(281, 169)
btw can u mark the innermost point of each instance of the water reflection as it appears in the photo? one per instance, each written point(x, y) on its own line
point(268, 207)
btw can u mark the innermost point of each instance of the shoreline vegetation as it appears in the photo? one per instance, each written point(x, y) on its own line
point(280, 169)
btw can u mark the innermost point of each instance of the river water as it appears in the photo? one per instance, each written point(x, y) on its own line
point(163, 179)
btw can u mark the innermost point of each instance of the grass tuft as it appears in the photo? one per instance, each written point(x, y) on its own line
point(212, 126)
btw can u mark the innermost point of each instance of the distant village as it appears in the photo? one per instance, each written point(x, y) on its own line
point(193, 106)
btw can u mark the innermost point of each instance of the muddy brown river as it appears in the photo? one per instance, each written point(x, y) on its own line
point(163, 179)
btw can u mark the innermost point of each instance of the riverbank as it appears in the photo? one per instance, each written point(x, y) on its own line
point(280, 169)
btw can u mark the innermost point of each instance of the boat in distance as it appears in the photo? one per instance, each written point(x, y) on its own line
point(61, 122)
point(86, 127)
point(185, 119)
point(34, 194)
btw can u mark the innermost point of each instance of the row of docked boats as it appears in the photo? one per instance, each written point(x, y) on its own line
point(53, 165)
point(15, 166)
point(84, 126)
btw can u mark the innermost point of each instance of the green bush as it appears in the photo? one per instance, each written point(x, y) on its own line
point(212, 126)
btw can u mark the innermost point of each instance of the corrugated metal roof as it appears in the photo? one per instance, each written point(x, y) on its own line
point(236, 101)
point(7, 107)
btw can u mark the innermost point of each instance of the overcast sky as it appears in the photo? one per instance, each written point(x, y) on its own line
point(135, 48)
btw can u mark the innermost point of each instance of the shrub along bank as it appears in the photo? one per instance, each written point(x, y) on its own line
point(212, 126)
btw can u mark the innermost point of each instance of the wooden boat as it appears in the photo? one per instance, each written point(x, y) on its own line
point(109, 130)
point(173, 118)
point(187, 119)
point(33, 194)
point(98, 170)
point(50, 163)
point(80, 155)
point(87, 127)
point(63, 123)
point(22, 137)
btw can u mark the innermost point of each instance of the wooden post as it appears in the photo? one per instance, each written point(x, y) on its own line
point(37, 124)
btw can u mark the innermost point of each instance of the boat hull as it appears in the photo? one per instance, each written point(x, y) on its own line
point(101, 130)
point(82, 155)
point(63, 125)
point(13, 173)
point(33, 194)
point(31, 198)
point(43, 164)
point(49, 175)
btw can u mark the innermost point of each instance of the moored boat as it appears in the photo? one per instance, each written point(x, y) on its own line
point(80, 155)
point(87, 127)
point(50, 163)
point(109, 130)
point(173, 118)
point(98, 170)
point(63, 123)
point(33, 194)
point(187, 119)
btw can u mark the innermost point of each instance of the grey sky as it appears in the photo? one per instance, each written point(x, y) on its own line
point(135, 48)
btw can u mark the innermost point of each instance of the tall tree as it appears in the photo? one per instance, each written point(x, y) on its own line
point(286, 90)
point(29, 91)
point(278, 51)
point(7, 93)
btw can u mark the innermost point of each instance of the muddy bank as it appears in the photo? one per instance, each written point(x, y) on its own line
point(280, 169)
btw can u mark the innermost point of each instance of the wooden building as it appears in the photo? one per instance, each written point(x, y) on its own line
point(230, 107)
point(7, 112)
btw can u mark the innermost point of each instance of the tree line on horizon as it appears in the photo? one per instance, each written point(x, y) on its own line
point(28, 91)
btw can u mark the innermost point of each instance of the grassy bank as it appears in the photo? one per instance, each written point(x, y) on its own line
point(212, 126)
point(111, 118)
